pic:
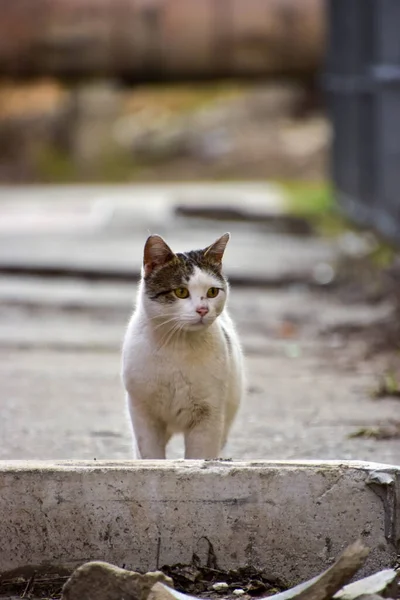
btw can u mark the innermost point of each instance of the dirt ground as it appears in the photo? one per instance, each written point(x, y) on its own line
point(318, 388)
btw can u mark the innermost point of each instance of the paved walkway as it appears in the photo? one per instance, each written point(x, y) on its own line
point(60, 337)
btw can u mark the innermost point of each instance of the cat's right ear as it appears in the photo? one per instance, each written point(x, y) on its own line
point(215, 252)
point(156, 254)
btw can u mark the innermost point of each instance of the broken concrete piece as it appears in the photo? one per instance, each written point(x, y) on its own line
point(102, 581)
point(324, 586)
point(384, 584)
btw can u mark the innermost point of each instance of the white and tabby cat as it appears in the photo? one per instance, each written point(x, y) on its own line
point(182, 362)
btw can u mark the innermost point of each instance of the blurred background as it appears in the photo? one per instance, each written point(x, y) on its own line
point(161, 90)
point(277, 120)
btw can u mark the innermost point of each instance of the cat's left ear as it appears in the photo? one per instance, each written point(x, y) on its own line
point(156, 254)
point(215, 252)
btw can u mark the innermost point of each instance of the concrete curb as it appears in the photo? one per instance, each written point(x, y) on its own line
point(290, 518)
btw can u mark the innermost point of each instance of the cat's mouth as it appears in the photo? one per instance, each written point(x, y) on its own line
point(201, 323)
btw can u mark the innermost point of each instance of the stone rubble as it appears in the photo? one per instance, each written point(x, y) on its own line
point(102, 581)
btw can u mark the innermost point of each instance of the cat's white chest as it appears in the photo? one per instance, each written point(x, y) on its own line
point(184, 394)
point(176, 383)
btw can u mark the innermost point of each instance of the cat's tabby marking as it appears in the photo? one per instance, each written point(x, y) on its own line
point(182, 364)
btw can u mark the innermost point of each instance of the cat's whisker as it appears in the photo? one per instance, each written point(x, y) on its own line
point(169, 334)
point(181, 333)
point(165, 341)
point(165, 322)
point(165, 335)
point(176, 333)
point(159, 317)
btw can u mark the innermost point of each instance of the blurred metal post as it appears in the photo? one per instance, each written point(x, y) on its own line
point(362, 82)
point(159, 40)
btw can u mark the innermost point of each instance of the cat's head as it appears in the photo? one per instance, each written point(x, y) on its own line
point(188, 289)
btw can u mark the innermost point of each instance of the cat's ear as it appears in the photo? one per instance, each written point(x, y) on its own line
point(156, 254)
point(215, 252)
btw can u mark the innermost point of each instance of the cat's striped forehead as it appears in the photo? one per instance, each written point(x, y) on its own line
point(184, 269)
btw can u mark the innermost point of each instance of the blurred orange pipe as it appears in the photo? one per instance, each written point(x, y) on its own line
point(159, 40)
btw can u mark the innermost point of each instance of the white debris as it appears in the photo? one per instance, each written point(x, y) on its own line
point(220, 585)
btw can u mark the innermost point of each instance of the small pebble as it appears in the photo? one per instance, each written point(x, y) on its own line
point(323, 273)
point(292, 350)
point(220, 585)
point(238, 592)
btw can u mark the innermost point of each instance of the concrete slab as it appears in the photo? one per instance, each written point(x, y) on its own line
point(251, 257)
point(68, 403)
point(291, 519)
point(86, 209)
point(61, 394)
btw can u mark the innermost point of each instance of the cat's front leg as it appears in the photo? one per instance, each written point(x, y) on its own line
point(204, 439)
point(150, 436)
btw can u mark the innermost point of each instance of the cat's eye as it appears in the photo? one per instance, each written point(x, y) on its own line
point(181, 293)
point(212, 292)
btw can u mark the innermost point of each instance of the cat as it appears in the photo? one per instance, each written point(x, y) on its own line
point(182, 363)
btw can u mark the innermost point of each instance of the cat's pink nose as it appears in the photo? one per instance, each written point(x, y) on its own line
point(202, 310)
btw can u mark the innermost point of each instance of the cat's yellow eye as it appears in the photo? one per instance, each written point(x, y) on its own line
point(181, 293)
point(212, 292)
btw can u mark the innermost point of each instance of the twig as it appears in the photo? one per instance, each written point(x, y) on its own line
point(29, 585)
